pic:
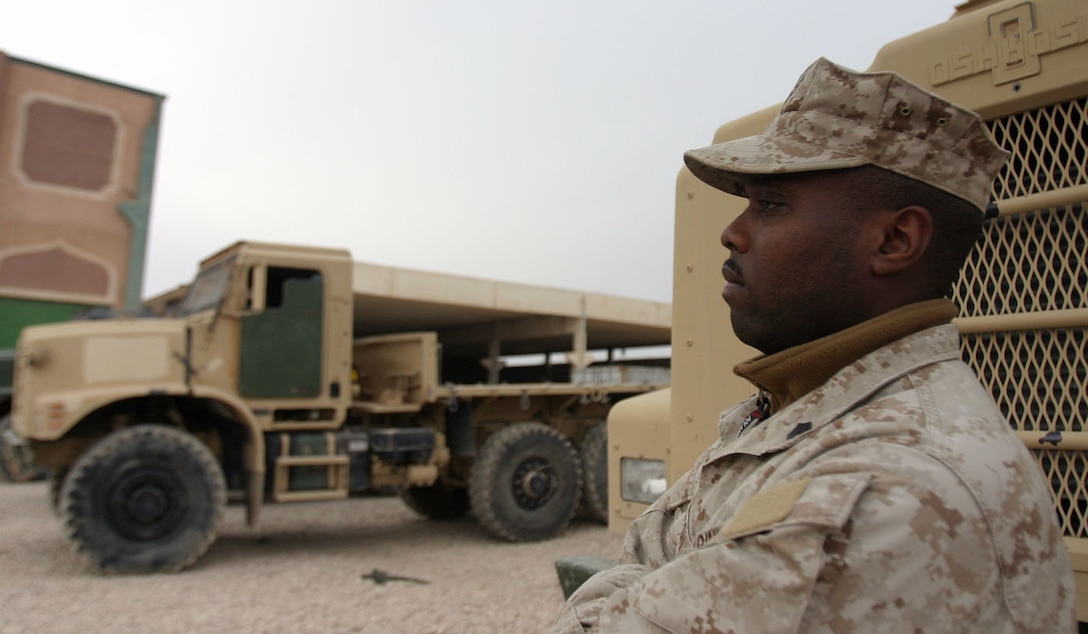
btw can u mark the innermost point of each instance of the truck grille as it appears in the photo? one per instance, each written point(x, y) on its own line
point(1048, 148)
point(1035, 263)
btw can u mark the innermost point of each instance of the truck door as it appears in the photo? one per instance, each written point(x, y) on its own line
point(281, 347)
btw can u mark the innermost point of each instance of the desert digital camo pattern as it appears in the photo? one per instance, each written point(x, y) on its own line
point(837, 118)
point(892, 498)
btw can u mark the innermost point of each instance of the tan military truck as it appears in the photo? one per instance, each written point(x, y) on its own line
point(1023, 296)
point(256, 389)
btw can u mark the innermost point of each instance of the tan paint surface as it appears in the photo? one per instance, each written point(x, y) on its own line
point(111, 359)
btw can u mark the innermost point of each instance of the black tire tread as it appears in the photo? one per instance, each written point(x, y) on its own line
point(594, 454)
point(484, 485)
point(125, 444)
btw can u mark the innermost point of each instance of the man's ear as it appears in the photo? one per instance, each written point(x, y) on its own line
point(905, 238)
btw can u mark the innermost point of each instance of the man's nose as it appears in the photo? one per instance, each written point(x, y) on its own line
point(733, 236)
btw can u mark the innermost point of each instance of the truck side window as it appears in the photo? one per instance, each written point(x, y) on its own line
point(277, 279)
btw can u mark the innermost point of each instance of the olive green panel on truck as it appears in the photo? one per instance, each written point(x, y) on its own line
point(281, 346)
point(15, 314)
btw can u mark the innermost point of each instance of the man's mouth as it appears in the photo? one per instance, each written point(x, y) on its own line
point(731, 273)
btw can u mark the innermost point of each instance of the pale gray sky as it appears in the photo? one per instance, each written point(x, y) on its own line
point(533, 142)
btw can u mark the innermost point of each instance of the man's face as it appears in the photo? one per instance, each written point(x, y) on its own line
point(796, 262)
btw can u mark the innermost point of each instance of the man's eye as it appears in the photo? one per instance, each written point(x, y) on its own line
point(768, 205)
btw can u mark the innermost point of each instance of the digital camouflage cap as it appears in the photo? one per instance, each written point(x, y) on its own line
point(837, 118)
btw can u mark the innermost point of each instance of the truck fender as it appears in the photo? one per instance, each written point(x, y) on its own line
point(253, 454)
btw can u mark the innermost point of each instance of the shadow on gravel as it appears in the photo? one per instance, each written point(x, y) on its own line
point(372, 527)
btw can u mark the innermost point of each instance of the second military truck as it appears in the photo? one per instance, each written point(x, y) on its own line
point(256, 389)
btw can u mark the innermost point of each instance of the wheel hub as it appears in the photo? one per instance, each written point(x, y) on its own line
point(145, 503)
point(534, 483)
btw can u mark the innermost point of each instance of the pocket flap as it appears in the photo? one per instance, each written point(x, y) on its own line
point(824, 501)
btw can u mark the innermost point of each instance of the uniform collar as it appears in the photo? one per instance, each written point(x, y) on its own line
point(786, 376)
point(854, 383)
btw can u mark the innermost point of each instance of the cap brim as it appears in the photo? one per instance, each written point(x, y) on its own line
point(724, 165)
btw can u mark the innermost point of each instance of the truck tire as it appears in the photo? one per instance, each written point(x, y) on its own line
point(437, 502)
point(16, 457)
point(526, 483)
point(594, 454)
point(144, 499)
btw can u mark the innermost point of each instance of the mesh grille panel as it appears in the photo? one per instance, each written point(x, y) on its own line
point(1034, 263)
point(1039, 378)
point(1066, 472)
point(1049, 149)
point(1027, 263)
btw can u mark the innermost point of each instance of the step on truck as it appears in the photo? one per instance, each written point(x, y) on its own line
point(255, 389)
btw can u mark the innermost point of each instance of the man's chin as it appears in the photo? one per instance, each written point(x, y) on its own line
point(747, 335)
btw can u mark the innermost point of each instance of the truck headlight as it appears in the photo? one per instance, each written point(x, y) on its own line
point(642, 480)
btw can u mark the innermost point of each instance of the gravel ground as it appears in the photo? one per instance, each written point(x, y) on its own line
point(300, 571)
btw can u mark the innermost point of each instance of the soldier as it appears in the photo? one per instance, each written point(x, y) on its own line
point(872, 485)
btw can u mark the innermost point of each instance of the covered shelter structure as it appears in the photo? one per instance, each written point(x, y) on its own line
point(479, 321)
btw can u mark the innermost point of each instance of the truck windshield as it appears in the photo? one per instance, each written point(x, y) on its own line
point(208, 288)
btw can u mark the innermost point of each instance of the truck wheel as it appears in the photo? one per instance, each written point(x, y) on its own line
point(16, 457)
point(594, 455)
point(144, 499)
point(438, 502)
point(526, 483)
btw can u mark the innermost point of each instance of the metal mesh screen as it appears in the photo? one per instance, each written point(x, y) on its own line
point(1066, 471)
point(1027, 263)
point(1049, 149)
point(1034, 263)
point(1037, 377)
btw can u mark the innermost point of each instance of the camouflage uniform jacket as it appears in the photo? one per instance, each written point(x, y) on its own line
point(892, 498)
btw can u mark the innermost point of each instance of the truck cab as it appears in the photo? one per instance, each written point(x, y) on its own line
point(261, 342)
